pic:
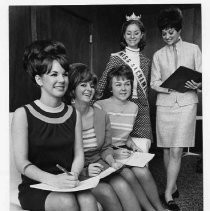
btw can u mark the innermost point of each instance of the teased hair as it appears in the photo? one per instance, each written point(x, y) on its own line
point(39, 56)
point(170, 18)
point(79, 73)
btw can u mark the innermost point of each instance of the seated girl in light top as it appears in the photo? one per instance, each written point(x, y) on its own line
point(47, 132)
point(122, 115)
point(113, 192)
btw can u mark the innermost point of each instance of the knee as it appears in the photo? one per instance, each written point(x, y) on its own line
point(66, 202)
point(143, 173)
point(120, 184)
point(128, 174)
point(86, 198)
point(176, 154)
point(106, 190)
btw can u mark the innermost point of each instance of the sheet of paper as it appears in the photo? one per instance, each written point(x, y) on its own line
point(138, 159)
point(107, 172)
point(83, 185)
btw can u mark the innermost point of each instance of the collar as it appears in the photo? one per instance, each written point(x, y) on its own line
point(176, 45)
point(131, 49)
point(49, 109)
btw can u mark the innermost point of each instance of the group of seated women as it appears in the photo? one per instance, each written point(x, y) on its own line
point(82, 135)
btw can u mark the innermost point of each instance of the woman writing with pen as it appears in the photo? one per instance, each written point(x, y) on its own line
point(113, 192)
point(122, 113)
point(47, 132)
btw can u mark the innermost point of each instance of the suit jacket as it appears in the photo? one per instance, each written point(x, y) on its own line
point(104, 139)
point(163, 66)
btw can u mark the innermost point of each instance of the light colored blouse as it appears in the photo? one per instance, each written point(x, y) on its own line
point(163, 64)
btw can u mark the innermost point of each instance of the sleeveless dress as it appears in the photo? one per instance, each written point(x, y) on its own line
point(51, 139)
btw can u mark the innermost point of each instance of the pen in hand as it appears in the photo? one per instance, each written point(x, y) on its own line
point(63, 170)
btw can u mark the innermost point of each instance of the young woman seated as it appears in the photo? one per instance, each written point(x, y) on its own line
point(47, 132)
point(113, 192)
point(122, 113)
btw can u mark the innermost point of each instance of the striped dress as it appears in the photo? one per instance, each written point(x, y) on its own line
point(89, 139)
point(121, 122)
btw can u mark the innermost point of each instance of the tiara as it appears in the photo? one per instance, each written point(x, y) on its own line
point(133, 17)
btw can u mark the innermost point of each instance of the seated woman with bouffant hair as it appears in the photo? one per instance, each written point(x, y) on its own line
point(47, 132)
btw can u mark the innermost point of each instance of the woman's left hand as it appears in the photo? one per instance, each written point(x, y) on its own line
point(116, 165)
point(192, 85)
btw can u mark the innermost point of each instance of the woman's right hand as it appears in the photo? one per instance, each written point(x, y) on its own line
point(94, 169)
point(63, 181)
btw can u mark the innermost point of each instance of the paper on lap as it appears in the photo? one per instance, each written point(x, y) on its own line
point(138, 159)
point(83, 185)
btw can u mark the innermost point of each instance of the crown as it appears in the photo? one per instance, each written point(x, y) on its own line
point(133, 17)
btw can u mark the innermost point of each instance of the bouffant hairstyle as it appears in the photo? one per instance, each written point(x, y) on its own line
point(142, 42)
point(122, 71)
point(39, 56)
point(170, 18)
point(79, 73)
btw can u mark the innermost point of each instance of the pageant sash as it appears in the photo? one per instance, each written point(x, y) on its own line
point(138, 73)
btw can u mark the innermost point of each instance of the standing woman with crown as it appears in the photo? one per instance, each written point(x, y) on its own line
point(176, 112)
point(132, 43)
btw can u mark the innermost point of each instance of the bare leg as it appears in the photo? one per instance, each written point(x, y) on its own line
point(173, 170)
point(87, 201)
point(107, 197)
point(166, 157)
point(130, 177)
point(61, 201)
point(147, 181)
point(124, 192)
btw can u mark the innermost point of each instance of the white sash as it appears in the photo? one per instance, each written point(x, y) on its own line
point(138, 73)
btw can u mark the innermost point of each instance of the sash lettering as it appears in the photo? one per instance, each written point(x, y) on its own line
point(137, 71)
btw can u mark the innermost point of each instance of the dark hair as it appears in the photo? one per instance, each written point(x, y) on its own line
point(123, 71)
point(79, 73)
point(170, 18)
point(142, 42)
point(39, 56)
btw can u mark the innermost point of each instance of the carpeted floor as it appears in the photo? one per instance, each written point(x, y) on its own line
point(190, 183)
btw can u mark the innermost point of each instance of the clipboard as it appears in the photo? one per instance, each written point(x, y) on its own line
point(178, 79)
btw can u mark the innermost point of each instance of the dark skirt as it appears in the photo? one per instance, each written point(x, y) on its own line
point(32, 198)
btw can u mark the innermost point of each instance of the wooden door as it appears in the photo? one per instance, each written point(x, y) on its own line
point(74, 32)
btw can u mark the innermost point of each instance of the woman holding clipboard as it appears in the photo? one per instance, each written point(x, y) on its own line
point(176, 112)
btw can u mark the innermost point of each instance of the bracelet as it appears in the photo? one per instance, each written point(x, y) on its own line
point(25, 167)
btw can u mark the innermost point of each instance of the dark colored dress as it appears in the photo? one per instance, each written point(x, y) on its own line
point(51, 139)
point(142, 126)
